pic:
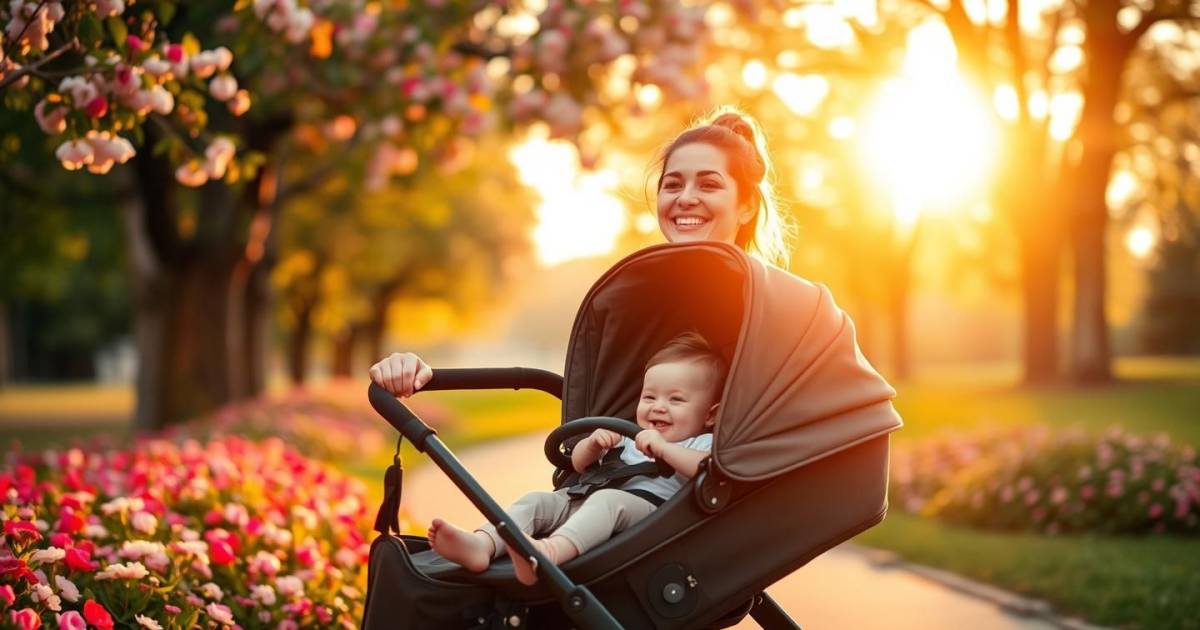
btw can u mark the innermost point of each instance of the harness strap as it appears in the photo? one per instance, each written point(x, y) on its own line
point(610, 472)
point(388, 518)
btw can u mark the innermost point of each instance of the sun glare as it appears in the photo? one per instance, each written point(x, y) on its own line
point(927, 136)
point(580, 214)
point(1140, 241)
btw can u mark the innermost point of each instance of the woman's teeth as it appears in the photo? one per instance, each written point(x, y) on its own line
point(685, 221)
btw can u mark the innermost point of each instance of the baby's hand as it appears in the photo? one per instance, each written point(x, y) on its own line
point(650, 443)
point(603, 438)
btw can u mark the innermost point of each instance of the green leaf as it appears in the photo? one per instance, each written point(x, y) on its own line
point(91, 32)
point(166, 11)
point(119, 31)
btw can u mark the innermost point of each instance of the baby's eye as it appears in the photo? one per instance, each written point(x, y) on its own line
point(647, 397)
point(676, 399)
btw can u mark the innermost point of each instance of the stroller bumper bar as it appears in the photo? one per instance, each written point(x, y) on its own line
point(496, 378)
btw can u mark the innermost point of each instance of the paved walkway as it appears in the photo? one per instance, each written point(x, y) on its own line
point(840, 589)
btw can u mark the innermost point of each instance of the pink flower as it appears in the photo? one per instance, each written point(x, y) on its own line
point(1155, 510)
point(175, 53)
point(26, 619)
point(70, 620)
point(191, 174)
point(21, 531)
point(97, 615)
point(240, 103)
point(109, 8)
point(135, 43)
point(53, 122)
point(220, 613)
point(80, 559)
point(223, 87)
point(7, 595)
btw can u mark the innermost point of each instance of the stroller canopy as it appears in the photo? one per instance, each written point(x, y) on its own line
point(798, 387)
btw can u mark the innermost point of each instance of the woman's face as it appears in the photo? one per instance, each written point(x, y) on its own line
point(698, 198)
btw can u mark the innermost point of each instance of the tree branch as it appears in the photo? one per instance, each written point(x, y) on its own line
point(1153, 17)
point(32, 68)
point(16, 41)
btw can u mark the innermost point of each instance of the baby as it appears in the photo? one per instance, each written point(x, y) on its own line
point(681, 390)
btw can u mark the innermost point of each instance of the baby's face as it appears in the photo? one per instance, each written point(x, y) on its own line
point(677, 400)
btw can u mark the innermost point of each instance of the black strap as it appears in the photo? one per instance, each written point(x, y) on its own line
point(387, 520)
point(609, 472)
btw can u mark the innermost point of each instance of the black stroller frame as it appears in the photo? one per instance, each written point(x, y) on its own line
point(576, 601)
point(799, 462)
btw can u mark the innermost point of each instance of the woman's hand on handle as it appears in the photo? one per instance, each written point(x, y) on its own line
point(401, 373)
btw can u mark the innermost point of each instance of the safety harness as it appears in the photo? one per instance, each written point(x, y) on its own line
point(609, 472)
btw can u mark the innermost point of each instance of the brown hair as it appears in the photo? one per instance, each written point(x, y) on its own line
point(692, 346)
point(739, 137)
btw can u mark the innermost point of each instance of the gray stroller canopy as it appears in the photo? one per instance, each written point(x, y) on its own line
point(798, 387)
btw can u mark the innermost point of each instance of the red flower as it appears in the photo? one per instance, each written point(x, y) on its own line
point(61, 540)
point(7, 595)
point(79, 559)
point(70, 522)
point(97, 108)
point(22, 530)
point(17, 568)
point(175, 53)
point(220, 553)
point(97, 615)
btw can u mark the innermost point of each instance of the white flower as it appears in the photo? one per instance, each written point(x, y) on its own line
point(217, 157)
point(147, 622)
point(48, 555)
point(289, 586)
point(223, 87)
point(122, 504)
point(156, 67)
point(299, 23)
point(135, 549)
point(127, 571)
point(45, 594)
point(79, 89)
point(223, 57)
point(95, 530)
point(263, 593)
point(109, 8)
point(74, 154)
point(144, 522)
point(67, 588)
point(204, 63)
point(212, 591)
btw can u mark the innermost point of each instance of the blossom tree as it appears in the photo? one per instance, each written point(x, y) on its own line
point(224, 110)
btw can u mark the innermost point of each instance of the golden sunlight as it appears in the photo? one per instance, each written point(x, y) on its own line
point(928, 137)
point(1140, 241)
point(580, 213)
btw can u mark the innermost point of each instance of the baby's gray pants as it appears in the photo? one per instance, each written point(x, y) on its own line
point(584, 523)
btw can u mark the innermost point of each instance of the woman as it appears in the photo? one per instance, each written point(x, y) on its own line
point(713, 185)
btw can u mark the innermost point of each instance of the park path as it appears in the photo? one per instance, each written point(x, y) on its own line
point(841, 589)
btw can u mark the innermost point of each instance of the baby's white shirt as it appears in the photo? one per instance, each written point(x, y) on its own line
point(662, 487)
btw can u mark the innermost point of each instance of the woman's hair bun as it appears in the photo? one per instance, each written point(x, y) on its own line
point(736, 124)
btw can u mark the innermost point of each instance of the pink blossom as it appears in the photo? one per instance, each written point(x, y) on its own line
point(144, 522)
point(240, 103)
point(67, 588)
point(52, 122)
point(147, 622)
point(109, 8)
point(71, 620)
point(74, 154)
point(26, 619)
point(7, 596)
point(1155, 511)
point(97, 107)
point(156, 67)
point(220, 613)
point(135, 43)
point(223, 87)
point(191, 174)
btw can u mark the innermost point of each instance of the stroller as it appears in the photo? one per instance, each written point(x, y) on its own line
point(799, 462)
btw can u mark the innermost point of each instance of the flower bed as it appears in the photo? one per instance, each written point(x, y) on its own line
point(178, 535)
point(316, 426)
point(1054, 482)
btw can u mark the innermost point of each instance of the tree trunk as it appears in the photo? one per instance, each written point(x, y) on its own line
point(298, 351)
point(1091, 359)
point(1040, 264)
point(5, 348)
point(343, 352)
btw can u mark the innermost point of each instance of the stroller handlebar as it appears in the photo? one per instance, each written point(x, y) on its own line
point(400, 416)
point(495, 378)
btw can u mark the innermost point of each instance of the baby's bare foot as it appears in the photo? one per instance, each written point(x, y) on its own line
point(468, 549)
point(523, 569)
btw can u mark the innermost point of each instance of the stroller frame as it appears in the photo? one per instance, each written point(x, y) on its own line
point(576, 601)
